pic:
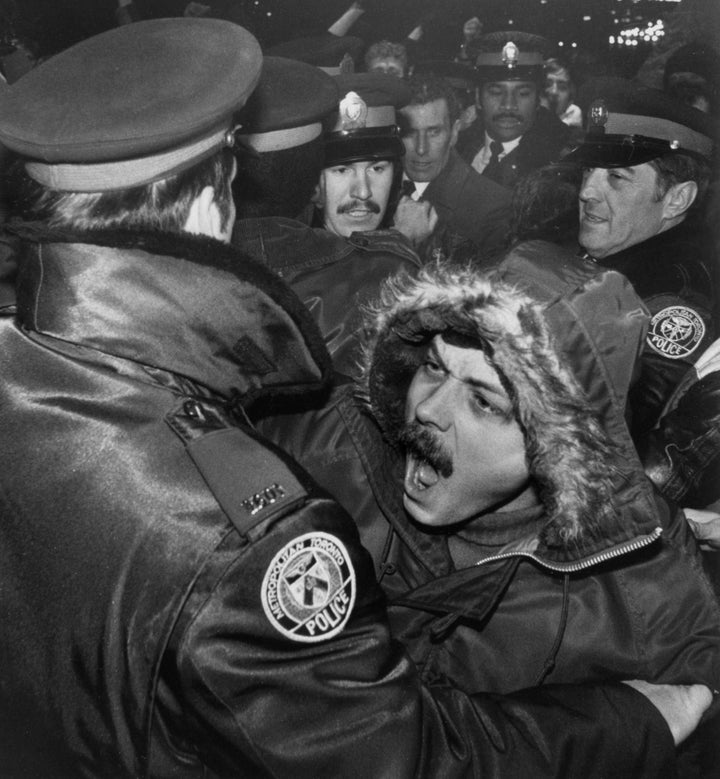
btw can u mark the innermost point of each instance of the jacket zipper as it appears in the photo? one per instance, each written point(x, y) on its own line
point(600, 557)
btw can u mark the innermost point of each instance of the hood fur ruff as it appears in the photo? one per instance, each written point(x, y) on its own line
point(564, 336)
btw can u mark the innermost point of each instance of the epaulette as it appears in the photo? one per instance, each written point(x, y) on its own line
point(250, 481)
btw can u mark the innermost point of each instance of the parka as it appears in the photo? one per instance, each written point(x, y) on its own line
point(609, 583)
point(178, 597)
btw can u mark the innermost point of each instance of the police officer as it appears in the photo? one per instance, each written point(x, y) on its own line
point(646, 162)
point(513, 134)
point(282, 156)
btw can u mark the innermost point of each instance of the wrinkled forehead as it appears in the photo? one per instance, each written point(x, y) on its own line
point(644, 174)
point(430, 113)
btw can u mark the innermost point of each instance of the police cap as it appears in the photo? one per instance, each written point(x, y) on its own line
point(288, 105)
point(511, 56)
point(628, 124)
point(365, 127)
point(132, 105)
point(332, 53)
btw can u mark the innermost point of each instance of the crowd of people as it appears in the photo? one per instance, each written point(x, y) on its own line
point(360, 410)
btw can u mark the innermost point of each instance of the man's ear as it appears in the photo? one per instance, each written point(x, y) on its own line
point(316, 198)
point(679, 198)
point(457, 126)
point(204, 215)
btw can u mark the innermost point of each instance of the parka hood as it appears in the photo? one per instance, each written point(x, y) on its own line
point(564, 336)
point(186, 304)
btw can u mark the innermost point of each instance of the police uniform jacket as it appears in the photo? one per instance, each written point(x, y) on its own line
point(541, 145)
point(673, 274)
point(333, 276)
point(177, 598)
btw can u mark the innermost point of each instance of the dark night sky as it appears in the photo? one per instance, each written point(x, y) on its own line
point(56, 24)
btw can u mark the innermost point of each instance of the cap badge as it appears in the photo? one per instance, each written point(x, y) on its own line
point(598, 116)
point(510, 55)
point(353, 111)
point(347, 64)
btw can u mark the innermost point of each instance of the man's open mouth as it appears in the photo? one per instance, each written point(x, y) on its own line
point(419, 474)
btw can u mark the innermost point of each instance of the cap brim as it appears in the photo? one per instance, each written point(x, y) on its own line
point(347, 148)
point(487, 73)
point(613, 151)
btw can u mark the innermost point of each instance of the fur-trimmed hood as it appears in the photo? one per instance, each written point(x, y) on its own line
point(564, 336)
point(186, 304)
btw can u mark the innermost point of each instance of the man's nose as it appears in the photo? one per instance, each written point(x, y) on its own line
point(509, 101)
point(421, 144)
point(360, 188)
point(435, 407)
point(590, 182)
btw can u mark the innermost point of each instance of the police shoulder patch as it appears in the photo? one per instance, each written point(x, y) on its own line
point(308, 590)
point(676, 332)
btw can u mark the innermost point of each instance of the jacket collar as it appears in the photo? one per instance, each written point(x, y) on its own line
point(186, 304)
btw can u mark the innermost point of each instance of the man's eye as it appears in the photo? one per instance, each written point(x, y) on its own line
point(432, 366)
point(339, 170)
point(485, 406)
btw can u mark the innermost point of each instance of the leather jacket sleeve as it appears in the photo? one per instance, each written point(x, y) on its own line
point(682, 453)
point(257, 703)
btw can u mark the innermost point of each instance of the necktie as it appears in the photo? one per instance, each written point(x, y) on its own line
point(492, 169)
point(408, 188)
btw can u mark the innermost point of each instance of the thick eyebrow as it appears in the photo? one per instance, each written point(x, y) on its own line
point(478, 384)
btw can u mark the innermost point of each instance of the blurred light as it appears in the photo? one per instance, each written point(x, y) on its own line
point(560, 43)
point(574, 45)
point(587, 18)
point(611, 40)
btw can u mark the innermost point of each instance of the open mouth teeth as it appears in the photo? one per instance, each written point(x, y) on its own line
point(419, 473)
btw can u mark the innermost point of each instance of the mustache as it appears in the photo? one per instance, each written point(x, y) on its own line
point(417, 440)
point(370, 205)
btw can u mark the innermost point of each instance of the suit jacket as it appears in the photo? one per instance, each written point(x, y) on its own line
point(541, 145)
point(473, 207)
